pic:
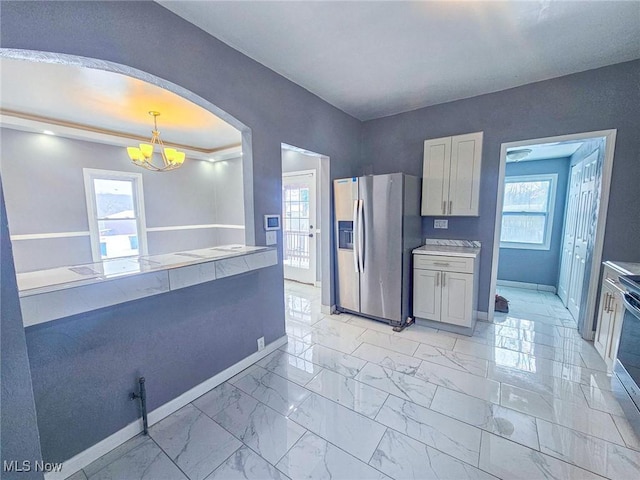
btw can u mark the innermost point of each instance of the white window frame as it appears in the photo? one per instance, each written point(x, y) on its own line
point(551, 205)
point(92, 211)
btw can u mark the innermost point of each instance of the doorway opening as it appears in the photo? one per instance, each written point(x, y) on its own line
point(299, 229)
point(551, 213)
point(306, 232)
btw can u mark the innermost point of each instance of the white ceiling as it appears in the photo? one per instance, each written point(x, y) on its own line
point(373, 59)
point(547, 151)
point(104, 103)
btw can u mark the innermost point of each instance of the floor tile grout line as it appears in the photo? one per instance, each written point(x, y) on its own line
point(171, 459)
point(242, 441)
point(344, 451)
point(140, 434)
point(561, 425)
point(457, 369)
point(622, 436)
point(555, 455)
point(368, 462)
point(529, 355)
point(439, 450)
point(558, 458)
point(267, 461)
point(470, 424)
point(500, 383)
point(557, 328)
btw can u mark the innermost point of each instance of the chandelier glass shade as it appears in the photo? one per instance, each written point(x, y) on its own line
point(142, 155)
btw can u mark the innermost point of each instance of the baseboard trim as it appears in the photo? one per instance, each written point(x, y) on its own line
point(447, 327)
point(96, 451)
point(482, 316)
point(528, 286)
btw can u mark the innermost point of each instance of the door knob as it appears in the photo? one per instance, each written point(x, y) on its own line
point(311, 235)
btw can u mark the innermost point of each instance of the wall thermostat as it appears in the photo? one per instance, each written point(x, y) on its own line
point(272, 222)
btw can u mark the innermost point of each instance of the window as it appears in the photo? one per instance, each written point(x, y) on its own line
point(527, 211)
point(116, 214)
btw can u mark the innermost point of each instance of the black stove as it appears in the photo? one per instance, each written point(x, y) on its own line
point(627, 365)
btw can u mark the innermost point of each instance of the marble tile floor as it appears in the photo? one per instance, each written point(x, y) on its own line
point(347, 398)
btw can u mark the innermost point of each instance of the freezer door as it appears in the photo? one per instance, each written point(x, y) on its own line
point(346, 207)
point(381, 258)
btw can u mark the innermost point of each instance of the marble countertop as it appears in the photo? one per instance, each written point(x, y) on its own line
point(47, 295)
point(449, 250)
point(626, 268)
point(43, 281)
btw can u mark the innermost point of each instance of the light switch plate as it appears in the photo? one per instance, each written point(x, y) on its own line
point(271, 237)
point(441, 224)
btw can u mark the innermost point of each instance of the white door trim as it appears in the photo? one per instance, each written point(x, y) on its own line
point(605, 188)
point(299, 173)
point(323, 195)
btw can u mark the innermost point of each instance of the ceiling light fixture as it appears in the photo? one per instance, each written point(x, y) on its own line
point(516, 155)
point(48, 132)
point(143, 156)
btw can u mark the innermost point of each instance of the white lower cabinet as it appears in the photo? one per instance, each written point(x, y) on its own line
point(426, 304)
point(610, 313)
point(445, 289)
point(457, 298)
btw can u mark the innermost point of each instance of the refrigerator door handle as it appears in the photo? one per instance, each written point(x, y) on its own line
point(361, 236)
point(355, 231)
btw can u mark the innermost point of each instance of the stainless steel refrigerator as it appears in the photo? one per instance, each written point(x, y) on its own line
point(378, 224)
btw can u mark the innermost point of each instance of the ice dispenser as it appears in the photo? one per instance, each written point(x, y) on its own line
point(345, 235)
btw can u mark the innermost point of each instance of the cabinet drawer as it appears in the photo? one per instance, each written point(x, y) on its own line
point(445, 264)
point(610, 276)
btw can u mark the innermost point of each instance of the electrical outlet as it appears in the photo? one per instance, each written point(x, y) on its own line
point(441, 224)
point(272, 239)
point(261, 343)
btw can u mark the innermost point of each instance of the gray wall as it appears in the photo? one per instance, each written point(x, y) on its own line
point(45, 194)
point(538, 266)
point(277, 111)
point(293, 161)
point(84, 366)
point(18, 428)
point(594, 100)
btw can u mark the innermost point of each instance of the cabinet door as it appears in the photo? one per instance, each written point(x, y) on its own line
point(616, 312)
point(464, 179)
point(601, 340)
point(426, 294)
point(435, 176)
point(457, 298)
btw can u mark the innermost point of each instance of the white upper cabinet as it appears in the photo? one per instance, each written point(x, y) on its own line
point(451, 175)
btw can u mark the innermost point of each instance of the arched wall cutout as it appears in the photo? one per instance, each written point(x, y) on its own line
point(86, 62)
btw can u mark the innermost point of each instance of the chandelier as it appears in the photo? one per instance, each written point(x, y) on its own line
point(142, 156)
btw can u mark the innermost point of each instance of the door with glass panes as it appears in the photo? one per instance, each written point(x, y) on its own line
point(299, 225)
